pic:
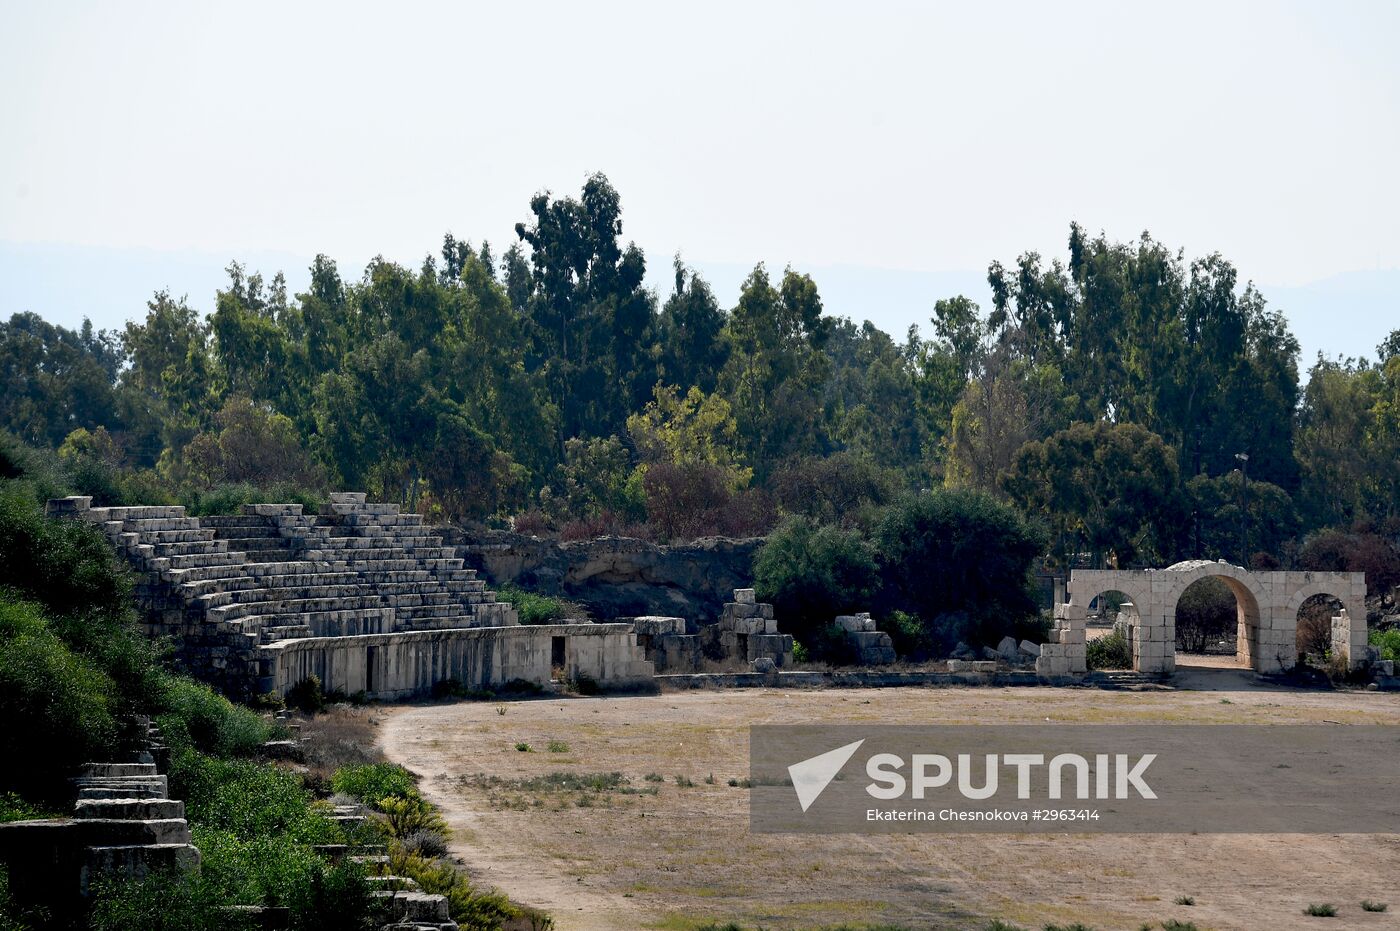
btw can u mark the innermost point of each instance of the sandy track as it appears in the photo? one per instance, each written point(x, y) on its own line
point(684, 854)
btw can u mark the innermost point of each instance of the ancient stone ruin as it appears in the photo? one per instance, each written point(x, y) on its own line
point(361, 596)
point(1267, 604)
point(873, 647)
point(748, 632)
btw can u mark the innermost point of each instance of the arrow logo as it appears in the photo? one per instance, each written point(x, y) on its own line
point(811, 777)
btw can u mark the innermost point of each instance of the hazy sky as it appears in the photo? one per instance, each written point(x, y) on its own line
point(920, 137)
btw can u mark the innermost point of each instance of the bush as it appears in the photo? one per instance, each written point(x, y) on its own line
point(65, 565)
point(405, 816)
point(534, 608)
point(842, 488)
point(165, 901)
point(696, 499)
point(374, 782)
point(479, 910)
point(307, 695)
point(248, 799)
point(1339, 551)
point(1388, 642)
point(1111, 651)
point(194, 716)
point(811, 573)
point(59, 704)
point(961, 562)
point(1321, 911)
point(912, 638)
point(229, 499)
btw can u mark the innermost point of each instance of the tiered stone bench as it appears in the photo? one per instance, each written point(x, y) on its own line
point(362, 596)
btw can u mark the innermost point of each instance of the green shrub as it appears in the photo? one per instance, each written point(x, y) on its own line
point(1388, 642)
point(1321, 911)
point(248, 799)
point(405, 816)
point(194, 716)
point(1368, 906)
point(15, 808)
point(165, 901)
point(534, 608)
point(811, 573)
point(375, 781)
point(1111, 651)
point(59, 704)
point(912, 639)
point(470, 907)
point(229, 499)
point(960, 561)
point(307, 695)
point(65, 565)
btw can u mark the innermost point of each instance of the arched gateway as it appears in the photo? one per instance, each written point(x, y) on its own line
point(1267, 604)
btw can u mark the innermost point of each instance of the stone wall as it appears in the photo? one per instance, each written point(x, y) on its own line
point(392, 666)
point(615, 576)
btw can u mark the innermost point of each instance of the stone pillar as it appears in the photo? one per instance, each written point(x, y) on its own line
point(1066, 652)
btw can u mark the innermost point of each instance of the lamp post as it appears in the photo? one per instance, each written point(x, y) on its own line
point(1244, 502)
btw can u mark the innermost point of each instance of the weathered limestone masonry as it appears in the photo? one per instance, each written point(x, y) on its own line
point(747, 631)
point(873, 647)
point(124, 824)
point(1268, 605)
point(667, 644)
point(363, 596)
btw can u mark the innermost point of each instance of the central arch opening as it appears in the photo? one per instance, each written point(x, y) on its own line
point(1207, 624)
point(1217, 624)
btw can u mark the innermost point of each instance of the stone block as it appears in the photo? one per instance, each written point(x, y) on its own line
point(744, 596)
point(1030, 649)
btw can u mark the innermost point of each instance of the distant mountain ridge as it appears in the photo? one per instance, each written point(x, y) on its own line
point(1346, 314)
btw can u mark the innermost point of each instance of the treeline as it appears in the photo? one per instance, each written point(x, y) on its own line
point(1111, 394)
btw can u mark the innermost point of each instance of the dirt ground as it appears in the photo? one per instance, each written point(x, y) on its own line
point(658, 854)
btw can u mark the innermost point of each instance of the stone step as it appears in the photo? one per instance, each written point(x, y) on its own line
point(136, 860)
point(414, 906)
point(256, 544)
point(107, 770)
point(136, 783)
point(127, 832)
point(168, 536)
point(393, 883)
point(130, 809)
point(155, 512)
point(289, 632)
point(189, 547)
point(151, 525)
point(196, 561)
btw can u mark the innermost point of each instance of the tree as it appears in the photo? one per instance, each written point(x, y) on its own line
point(54, 380)
point(811, 573)
point(1270, 520)
point(251, 444)
point(688, 334)
point(775, 367)
point(1109, 490)
point(168, 392)
point(960, 561)
point(694, 429)
point(590, 316)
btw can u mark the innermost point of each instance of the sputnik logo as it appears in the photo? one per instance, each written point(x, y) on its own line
point(811, 776)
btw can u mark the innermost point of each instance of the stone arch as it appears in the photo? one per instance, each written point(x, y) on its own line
point(1338, 585)
point(1258, 643)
